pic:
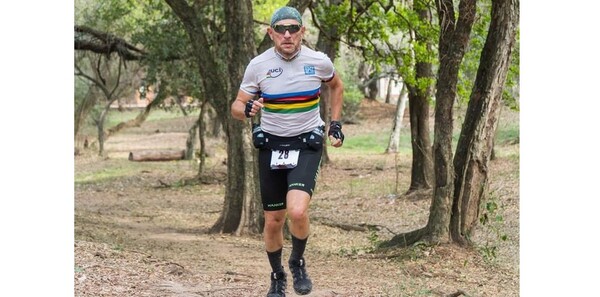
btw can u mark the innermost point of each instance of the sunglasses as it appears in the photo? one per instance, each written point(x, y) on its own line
point(282, 28)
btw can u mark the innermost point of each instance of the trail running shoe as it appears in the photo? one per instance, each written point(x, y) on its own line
point(278, 284)
point(302, 283)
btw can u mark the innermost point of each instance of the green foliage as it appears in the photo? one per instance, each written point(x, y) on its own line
point(470, 64)
point(351, 105)
point(353, 251)
point(263, 9)
point(81, 88)
point(115, 16)
point(169, 63)
point(347, 66)
point(374, 240)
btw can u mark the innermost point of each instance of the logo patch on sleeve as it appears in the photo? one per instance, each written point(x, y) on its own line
point(309, 69)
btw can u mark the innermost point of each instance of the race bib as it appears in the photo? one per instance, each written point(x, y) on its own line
point(284, 159)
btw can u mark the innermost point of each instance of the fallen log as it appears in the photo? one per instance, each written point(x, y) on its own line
point(157, 155)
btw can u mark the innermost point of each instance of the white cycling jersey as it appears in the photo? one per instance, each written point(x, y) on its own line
point(290, 88)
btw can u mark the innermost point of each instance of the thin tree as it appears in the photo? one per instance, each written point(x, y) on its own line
point(394, 142)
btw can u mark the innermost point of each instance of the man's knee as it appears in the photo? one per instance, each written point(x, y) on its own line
point(297, 214)
point(274, 220)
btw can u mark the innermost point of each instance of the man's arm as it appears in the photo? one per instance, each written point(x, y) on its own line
point(336, 92)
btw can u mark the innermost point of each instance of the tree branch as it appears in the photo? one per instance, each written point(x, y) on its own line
point(88, 39)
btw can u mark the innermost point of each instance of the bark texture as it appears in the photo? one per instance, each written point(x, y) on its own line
point(454, 38)
point(476, 140)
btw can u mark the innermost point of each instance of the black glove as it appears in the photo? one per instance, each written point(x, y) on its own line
point(248, 108)
point(335, 130)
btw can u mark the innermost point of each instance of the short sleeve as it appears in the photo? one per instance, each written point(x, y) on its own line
point(249, 82)
point(327, 70)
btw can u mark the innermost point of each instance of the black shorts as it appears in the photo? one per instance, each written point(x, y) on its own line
point(275, 183)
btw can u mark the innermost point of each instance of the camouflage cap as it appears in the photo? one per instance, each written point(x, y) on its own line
point(285, 13)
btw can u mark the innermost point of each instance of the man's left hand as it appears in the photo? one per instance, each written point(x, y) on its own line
point(335, 134)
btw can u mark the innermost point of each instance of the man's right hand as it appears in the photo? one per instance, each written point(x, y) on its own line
point(253, 106)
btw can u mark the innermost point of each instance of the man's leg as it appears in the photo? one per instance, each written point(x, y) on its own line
point(297, 202)
point(273, 231)
point(273, 237)
point(297, 207)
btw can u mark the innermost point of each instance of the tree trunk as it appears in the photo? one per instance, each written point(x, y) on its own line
point(201, 139)
point(138, 120)
point(477, 135)
point(214, 67)
point(388, 94)
point(373, 86)
point(189, 142)
point(394, 142)
point(421, 173)
point(157, 155)
point(454, 38)
point(83, 109)
point(241, 194)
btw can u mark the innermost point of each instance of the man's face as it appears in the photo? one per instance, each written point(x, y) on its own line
point(287, 36)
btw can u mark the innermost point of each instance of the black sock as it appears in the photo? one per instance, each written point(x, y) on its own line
point(275, 260)
point(298, 246)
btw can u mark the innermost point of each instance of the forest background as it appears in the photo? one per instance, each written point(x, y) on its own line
point(41, 247)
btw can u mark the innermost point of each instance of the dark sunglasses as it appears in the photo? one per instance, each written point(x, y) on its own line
point(282, 28)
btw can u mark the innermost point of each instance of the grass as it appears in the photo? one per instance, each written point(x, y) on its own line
point(106, 174)
point(507, 133)
point(123, 168)
point(373, 143)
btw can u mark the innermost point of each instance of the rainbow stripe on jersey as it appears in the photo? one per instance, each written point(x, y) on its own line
point(292, 102)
